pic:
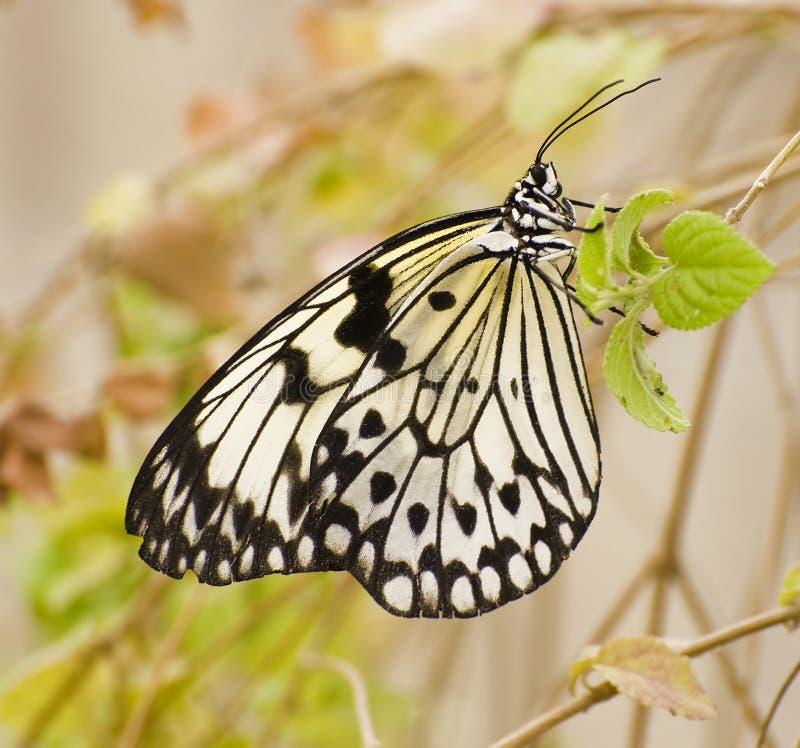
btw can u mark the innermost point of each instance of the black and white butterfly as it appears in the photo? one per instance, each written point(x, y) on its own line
point(420, 419)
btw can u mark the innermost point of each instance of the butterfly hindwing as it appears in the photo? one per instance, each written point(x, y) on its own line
point(224, 491)
point(463, 477)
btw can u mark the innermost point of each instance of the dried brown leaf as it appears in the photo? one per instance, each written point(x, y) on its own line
point(141, 390)
point(188, 258)
point(24, 470)
point(35, 428)
point(647, 671)
point(29, 433)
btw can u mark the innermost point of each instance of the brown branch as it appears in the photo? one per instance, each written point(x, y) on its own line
point(734, 215)
point(777, 533)
point(736, 685)
point(666, 557)
point(137, 719)
point(617, 609)
point(718, 193)
point(605, 691)
point(359, 690)
point(762, 735)
point(70, 686)
point(788, 614)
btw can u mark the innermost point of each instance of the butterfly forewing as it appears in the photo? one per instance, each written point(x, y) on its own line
point(225, 489)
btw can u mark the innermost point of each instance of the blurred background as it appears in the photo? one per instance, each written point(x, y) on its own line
point(173, 173)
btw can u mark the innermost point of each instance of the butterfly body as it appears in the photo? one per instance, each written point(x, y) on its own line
point(420, 419)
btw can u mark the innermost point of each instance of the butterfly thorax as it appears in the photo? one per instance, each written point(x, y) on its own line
point(534, 211)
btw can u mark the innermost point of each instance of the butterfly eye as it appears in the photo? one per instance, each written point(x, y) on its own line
point(538, 174)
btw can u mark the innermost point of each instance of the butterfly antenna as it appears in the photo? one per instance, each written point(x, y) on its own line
point(567, 125)
point(545, 144)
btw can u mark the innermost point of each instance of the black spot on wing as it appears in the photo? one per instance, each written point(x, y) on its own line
point(370, 316)
point(334, 440)
point(347, 468)
point(509, 497)
point(436, 385)
point(298, 488)
point(441, 300)
point(242, 517)
point(391, 355)
point(298, 387)
point(418, 517)
point(382, 486)
point(372, 425)
point(467, 517)
point(483, 478)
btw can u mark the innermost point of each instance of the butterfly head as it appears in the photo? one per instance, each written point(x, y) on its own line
point(543, 177)
point(535, 209)
point(535, 206)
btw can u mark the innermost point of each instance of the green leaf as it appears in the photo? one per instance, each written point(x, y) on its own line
point(715, 270)
point(592, 257)
point(631, 252)
point(542, 93)
point(633, 378)
point(790, 589)
point(642, 259)
point(648, 672)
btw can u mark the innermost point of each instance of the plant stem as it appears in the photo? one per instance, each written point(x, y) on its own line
point(734, 215)
point(605, 691)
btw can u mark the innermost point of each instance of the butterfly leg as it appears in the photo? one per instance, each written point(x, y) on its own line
point(592, 205)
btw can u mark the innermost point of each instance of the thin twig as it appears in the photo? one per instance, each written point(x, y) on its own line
point(268, 661)
point(137, 719)
point(787, 264)
point(734, 215)
point(360, 698)
point(762, 735)
point(535, 728)
point(337, 604)
point(740, 629)
point(69, 687)
point(257, 613)
point(718, 193)
point(726, 165)
point(666, 558)
point(787, 468)
point(733, 681)
point(620, 606)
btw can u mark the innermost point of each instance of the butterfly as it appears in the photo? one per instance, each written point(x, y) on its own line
point(420, 419)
